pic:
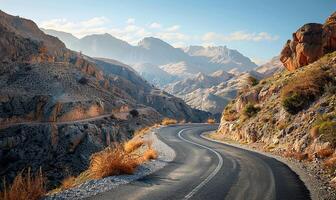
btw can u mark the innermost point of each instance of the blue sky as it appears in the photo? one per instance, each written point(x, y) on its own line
point(256, 28)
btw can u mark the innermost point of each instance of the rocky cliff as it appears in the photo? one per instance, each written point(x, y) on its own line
point(292, 113)
point(57, 107)
point(309, 43)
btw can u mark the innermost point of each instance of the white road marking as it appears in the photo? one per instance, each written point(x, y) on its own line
point(205, 181)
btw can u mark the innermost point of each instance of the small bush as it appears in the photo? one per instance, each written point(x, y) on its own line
point(110, 162)
point(324, 153)
point(253, 81)
point(68, 183)
point(303, 90)
point(132, 145)
point(25, 187)
point(230, 114)
point(211, 121)
point(150, 154)
point(168, 121)
point(326, 128)
point(296, 155)
point(250, 110)
point(134, 113)
point(314, 132)
point(330, 163)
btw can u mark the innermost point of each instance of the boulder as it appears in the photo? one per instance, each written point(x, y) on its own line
point(309, 43)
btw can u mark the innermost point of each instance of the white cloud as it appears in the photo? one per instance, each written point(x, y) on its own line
point(132, 32)
point(173, 28)
point(94, 22)
point(239, 36)
point(155, 25)
point(91, 26)
point(130, 21)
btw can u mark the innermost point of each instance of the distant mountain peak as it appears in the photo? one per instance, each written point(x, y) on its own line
point(152, 42)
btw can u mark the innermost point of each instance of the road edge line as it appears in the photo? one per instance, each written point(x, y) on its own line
point(213, 173)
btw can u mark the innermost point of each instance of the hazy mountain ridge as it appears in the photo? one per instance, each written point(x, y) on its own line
point(58, 107)
point(168, 67)
point(155, 51)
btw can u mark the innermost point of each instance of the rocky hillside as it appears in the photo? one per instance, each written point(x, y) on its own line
point(156, 52)
point(57, 107)
point(292, 112)
point(212, 92)
point(196, 74)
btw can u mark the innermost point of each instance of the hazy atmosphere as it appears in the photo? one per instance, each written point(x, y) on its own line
point(258, 29)
point(158, 100)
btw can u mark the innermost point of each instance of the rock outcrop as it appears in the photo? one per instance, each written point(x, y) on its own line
point(309, 43)
point(57, 107)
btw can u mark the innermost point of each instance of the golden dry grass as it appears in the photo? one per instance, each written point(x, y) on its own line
point(314, 132)
point(133, 145)
point(324, 153)
point(211, 121)
point(296, 155)
point(150, 154)
point(112, 161)
point(68, 183)
point(25, 187)
point(168, 121)
point(303, 89)
point(330, 163)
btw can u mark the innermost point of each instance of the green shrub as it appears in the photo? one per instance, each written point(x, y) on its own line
point(250, 110)
point(253, 80)
point(295, 103)
point(326, 128)
point(303, 89)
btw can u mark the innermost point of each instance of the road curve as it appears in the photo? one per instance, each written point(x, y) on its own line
point(204, 170)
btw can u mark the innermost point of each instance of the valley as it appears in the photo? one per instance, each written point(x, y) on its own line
point(226, 104)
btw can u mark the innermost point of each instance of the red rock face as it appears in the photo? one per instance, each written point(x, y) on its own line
point(309, 43)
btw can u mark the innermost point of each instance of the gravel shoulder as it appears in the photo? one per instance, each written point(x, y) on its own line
point(93, 187)
point(317, 187)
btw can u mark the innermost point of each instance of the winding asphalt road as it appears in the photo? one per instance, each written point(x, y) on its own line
point(205, 169)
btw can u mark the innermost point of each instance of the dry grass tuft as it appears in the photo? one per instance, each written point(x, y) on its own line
point(230, 114)
point(25, 187)
point(303, 89)
point(112, 162)
point(133, 145)
point(168, 121)
point(324, 153)
point(314, 132)
point(211, 121)
point(68, 183)
point(296, 155)
point(150, 154)
point(330, 163)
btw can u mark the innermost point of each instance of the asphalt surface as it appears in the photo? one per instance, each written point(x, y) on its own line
point(204, 170)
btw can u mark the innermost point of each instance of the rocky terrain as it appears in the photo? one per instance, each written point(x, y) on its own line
point(196, 74)
point(154, 51)
point(292, 113)
point(57, 107)
point(211, 92)
point(310, 42)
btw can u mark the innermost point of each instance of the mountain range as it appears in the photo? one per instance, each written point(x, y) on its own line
point(205, 77)
point(58, 106)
